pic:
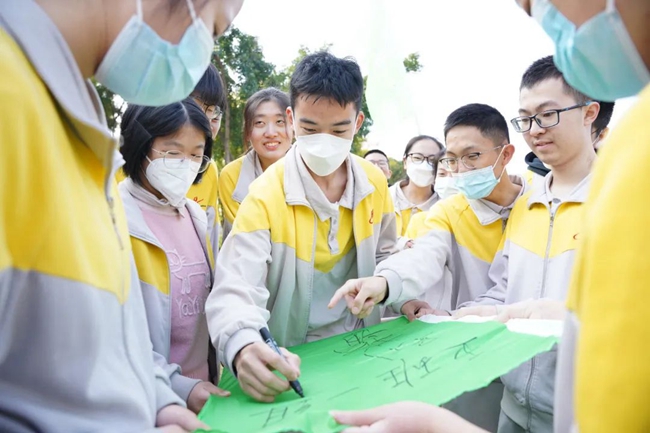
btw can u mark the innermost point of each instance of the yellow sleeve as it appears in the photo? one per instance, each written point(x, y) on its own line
point(227, 183)
point(609, 291)
point(416, 228)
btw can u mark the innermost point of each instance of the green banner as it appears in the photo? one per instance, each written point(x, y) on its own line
point(390, 362)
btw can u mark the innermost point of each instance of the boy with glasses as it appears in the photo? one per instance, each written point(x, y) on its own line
point(379, 159)
point(536, 256)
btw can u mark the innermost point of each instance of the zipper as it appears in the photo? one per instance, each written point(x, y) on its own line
point(111, 207)
point(541, 295)
point(313, 268)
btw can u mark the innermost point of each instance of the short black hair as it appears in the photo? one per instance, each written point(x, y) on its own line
point(371, 151)
point(142, 125)
point(323, 75)
point(210, 89)
point(417, 138)
point(545, 69)
point(486, 119)
point(604, 116)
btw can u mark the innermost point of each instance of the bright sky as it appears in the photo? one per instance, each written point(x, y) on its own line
point(471, 51)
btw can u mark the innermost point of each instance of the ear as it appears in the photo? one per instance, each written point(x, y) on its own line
point(508, 153)
point(360, 118)
point(591, 113)
point(289, 113)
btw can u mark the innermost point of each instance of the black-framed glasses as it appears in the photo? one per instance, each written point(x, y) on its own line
point(545, 119)
point(469, 160)
point(213, 112)
point(418, 158)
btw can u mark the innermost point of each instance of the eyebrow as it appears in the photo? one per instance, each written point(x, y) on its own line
point(541, 107)
point(311, 122)
point(278, 114)
point(181, 146)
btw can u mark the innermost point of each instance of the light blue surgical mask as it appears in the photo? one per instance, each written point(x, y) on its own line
point(479, 183)
point(145, 69)
point(598, 58)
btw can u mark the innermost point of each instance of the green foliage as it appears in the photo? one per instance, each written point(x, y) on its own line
point(112, 108)
point(397, 169)
point(412, 63)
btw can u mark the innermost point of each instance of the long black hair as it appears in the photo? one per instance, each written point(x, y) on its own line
point(142, 125)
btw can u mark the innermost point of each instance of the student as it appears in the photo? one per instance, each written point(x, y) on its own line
point(600, 353)
point(210, 94)
point(415, 193)
point(463, 234)
point(599, 131)
point(167, 149)
point(380, 160)
point(465, 229)
point(536, 256)
point(211, 97)
point(313, 220)
point(268, 138)
point(76, 355)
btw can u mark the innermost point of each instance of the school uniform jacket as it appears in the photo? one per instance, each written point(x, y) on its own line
point(535, 260)
point(461, 235)
point(266, 266)
point(236, 178)
point(603, 379)
point(75, 353)
point(405, 211)
point(155, 280)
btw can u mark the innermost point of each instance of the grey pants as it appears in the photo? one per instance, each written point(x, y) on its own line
point(480, 407)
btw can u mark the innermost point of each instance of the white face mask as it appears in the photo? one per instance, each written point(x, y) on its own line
point(445, 186)
point(172, 182)
point(420, 174)
point(323, 153)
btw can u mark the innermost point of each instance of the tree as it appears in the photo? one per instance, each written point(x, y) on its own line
point(240, 61)
point(397, 168)
point(113, 106)
point(412, 63)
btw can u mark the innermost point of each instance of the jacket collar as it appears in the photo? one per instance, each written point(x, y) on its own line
point(250, 170)
point(294, 187)
point(542, 192)
point(488, 212)
point(401, 202)
point(138, 228)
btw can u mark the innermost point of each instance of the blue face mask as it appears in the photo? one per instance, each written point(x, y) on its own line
point(479, 183)
point(145, 69)
point(598, 58)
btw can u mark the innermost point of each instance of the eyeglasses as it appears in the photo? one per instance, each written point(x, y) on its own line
point(469, 160)
point(173, 159)
point(379, 163)
point(545, 119)
point(418, 158)
point(213, 112)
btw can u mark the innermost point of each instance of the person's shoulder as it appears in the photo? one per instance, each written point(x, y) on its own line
point(374, 175)
point(21, 87)
point(269, 185)
point(233, 168)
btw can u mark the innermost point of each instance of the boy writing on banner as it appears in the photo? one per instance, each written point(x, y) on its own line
point(310, 222)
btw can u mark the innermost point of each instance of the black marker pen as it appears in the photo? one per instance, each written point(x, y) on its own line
point(266, 335)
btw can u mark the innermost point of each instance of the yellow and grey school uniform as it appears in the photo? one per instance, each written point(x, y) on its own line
point(603, 371)
point(155, 278)
point(535, 260)
point(206, 194)
point(289, 251)
point(405, 210)
point(75, 352)
point(461, 235)
point(235, 180)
